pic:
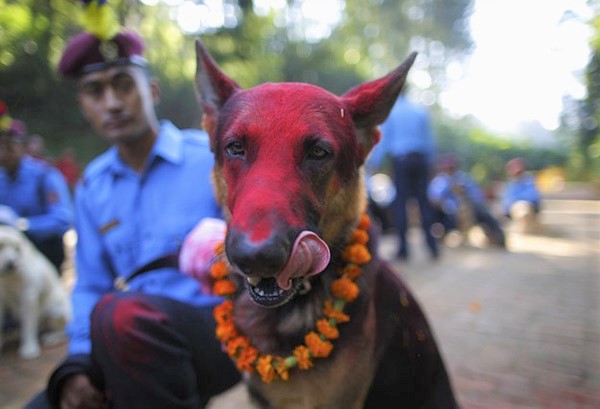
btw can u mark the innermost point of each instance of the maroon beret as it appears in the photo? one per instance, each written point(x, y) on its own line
point(447, 161)
point(17, 129)
point(85, 53)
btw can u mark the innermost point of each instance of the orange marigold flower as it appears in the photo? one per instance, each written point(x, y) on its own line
point(302, 354)
point(351, 271)
point(223, 312)
point(318, 347)
point(224, 287)
point(364, 223)
point(357, 253)
point(235, 344)
point(265, 369)
point(246, 359)
point(344, 289)
point(219, 248)
point(226, 331)
point(218, 270)
point(327, 330)
point(281, 369)
point(330, 312)
point(359, 236)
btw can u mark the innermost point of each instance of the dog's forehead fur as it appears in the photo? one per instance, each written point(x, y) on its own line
point(282, 117)
point(10, 236)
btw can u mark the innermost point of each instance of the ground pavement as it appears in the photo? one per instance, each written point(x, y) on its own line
point(517, 328)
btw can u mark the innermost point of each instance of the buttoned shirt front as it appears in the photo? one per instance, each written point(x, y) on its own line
point(127, 219)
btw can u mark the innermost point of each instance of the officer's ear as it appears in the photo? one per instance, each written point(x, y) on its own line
point(155, 90)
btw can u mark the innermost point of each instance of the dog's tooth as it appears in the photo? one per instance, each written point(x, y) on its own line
point(253, 281)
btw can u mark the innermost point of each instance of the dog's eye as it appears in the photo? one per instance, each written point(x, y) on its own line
point(235, 149)
point(318, 152)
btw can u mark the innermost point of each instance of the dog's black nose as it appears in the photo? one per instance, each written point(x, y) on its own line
point(259, 259)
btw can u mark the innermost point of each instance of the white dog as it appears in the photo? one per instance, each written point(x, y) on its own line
point(31, 290)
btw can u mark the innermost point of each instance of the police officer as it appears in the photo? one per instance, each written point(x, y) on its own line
point(34, 195)
point(407, 137)
point(143, 333)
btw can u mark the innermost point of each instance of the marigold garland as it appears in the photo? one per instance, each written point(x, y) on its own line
point(317, 343)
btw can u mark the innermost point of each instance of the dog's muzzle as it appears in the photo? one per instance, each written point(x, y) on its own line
point(274, 275)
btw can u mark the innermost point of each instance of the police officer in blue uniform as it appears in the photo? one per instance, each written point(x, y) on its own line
point(34, 195)
point(143, 333)
point(407, 137)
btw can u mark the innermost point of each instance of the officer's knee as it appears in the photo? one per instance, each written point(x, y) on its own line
point(118, 316)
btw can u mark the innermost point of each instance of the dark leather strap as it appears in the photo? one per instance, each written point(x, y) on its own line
point(170, 260)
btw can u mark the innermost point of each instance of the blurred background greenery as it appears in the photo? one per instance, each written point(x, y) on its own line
point(343, 43)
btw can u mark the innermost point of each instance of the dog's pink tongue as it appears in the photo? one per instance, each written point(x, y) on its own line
point(310, 256)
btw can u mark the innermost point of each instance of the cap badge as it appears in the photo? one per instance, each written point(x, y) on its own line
point(109, 50)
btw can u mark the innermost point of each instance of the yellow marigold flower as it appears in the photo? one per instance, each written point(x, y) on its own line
point(351, 271)
point(364, 223)
point(359, 236)
point(226, 331)
point(281, 369)
point(327, 330)
point(219, 248)
point(218, 270)
point(318, 348)
point(265, 369)
point(246, 359)
point(344, 289)
point(357, 254)
point(224, 287)
point(330, 312)
point(302, 354)
point(223, 312)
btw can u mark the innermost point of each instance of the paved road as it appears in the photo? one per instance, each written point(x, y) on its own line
point(518, 328)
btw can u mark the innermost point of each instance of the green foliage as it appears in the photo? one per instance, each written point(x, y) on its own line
point(373, 37)
point(484, 153)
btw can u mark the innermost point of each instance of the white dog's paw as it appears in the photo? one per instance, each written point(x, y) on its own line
point(29, 351)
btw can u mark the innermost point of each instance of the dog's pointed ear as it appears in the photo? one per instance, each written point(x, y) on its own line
point(213, 87)
point(371, 102)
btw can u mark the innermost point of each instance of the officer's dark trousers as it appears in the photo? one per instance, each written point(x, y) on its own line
point(157, 353)
point(411, 177)
point(53, 248)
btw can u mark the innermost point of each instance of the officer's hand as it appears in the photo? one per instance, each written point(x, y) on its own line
point(78, 393)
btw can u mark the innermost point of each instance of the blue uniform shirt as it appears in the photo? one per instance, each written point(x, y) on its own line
point(126, 220)
point(40, 194)
point(440, 191)
point(407, 129)
point(523, 188)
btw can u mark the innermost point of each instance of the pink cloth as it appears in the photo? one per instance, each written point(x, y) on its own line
point(198, 250)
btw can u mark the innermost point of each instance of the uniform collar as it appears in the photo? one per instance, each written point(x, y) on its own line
point(168, 146)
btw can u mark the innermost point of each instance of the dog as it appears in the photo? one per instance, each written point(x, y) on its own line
point(31, 291)
point(289, 177)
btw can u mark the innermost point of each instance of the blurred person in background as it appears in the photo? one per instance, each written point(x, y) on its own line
point(34, 195)
point(142, 334)
point(521, 198)
point(407, 137)
point(36, 147)
point(460, 202)
point(67, 164)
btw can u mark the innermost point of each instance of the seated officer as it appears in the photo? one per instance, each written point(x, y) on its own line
point(460, 203)
point(35, 192)
point(142, 335)
point(521, 198)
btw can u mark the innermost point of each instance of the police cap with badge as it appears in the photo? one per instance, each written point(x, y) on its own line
point(101, 45)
